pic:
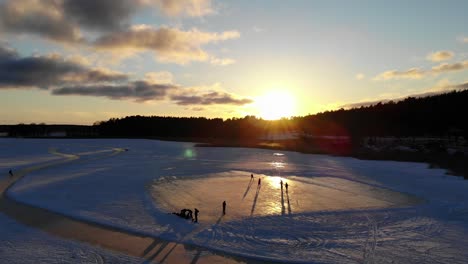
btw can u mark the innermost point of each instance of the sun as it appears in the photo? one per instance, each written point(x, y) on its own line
point(275, 105)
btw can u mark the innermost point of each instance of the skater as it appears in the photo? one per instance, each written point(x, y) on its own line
point(251, 176)
point(11, 173)
point(281, 182)
point(259, 182)
point(224, 207)
point(286, 186)
point(196, 215)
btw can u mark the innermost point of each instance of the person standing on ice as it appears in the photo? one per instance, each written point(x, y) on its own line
point(286, 186)
point(196, 215)
point(259, 182)
point(251, 176)
point(281, 182)
point(11, 173)
point(224, 207)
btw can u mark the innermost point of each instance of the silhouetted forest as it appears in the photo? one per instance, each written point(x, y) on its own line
point(438, 115)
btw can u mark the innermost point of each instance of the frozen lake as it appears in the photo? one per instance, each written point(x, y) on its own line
point(336, 209)
point(246, 198)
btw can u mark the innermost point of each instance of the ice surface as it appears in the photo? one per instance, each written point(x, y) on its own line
point(365, 212)
point(246, 198)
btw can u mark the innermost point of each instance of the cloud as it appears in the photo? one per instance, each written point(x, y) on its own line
point(139, 91)
point(209, 98)
point(440, 56)
point(170, 44)
point(462, 86)
point(360, 76)
point(74, 77)
point(61, 20)
point(413, 73)
point(416, 73)
point(193, 8)
point(142, 91)
point(105, 25)
point(101, 14)
point(94, 75)
point(47, 71)
point(446, 67)
point(440, 88)
point(43, 18)
point(197, 109)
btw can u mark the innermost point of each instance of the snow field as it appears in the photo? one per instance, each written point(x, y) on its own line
point(119, 191)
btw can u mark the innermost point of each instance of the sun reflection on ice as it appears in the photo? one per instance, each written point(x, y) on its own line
point(277, 164)
point(275, 181)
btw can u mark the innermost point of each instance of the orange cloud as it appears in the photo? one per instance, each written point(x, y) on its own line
point(416, 73)
point(440, 55)
point(193, 8)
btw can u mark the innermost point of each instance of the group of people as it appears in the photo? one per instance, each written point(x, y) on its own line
point(259, 180)
point(188, 214)
point(285, 185)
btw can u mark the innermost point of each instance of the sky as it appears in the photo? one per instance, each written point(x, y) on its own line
point(82, 61)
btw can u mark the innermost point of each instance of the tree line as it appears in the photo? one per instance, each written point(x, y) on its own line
point(438, 115)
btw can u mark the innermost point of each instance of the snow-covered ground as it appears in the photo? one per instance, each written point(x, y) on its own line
point(22, 244)
point(15, 155)
point(121, 191)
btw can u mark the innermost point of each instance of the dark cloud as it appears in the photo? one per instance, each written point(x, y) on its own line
point(34, 71)
point(138, 90)
point(60, 20)
point(44, 18)
point(209, 99)
point(72, 77)
point(101, 14)
point(95, 76)
point(47, 71)
point(70, 21)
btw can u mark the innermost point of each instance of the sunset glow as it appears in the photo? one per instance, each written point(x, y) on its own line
point(276, 104)
point(60, 63)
